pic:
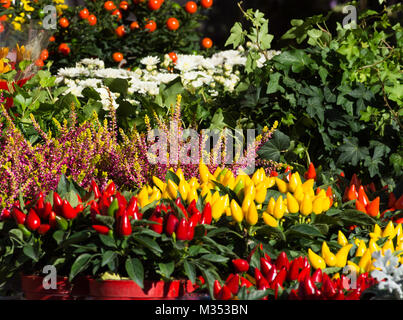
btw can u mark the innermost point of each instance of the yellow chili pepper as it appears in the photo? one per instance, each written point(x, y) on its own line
point(281, 185)
point(261, 192)
point(365, 261)
point(205, 173)
point(342, 254)
point(269, 182)
point(236, 211)
point(389, 231)
point(341, 239)
point(183, 189)
point(306, 205)
point(252, 217)
point(293, 183)
point(215, 197)
point(354, 267)
point(317, 205)
point(159, 183)
point(180, 174)
point(192, 195)
point(329, 257)
point(326, 204)
point(247, 201)
point(217, 209)
point(316, 261)
point(361, 249)
point(257, 177)
point(194, 183)
point(279, 208)
point(250, 190)
point(292, 203)
point(172, 189)
point(270, 220)
point(299, 182)
point(372, 246)
point(271, 205)
point(399, 230)
point(307, 187)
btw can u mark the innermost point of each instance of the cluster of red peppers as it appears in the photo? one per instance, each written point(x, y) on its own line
point(112, 203)
point(358, 192)
point(275, 274)
point(166, 219)
point(43, 216)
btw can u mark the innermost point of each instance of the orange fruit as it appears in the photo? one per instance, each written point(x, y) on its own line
point(92, 20)
point(117, 57)
point(206, 3)
point(124, 5)
point(120, 31)
point(39, 62)
point(52, 39)
point(134, 25)
point(117, 13)
point(64, 22)
point(83, 14)
point(207, 43)
point(109, 5)
point(64, 49)
point(173, 56)
point(172, 24)
point(191, 7)
point(151, 26)
point(154, 4)
point(44, 54)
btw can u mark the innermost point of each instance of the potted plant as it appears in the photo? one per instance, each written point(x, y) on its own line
point(152, 252)
point(34, 234)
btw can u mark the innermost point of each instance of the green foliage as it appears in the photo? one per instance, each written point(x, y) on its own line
point(338, 96)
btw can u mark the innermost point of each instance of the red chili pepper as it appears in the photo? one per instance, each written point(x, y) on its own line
point(68, 211)
point(79, 208)
point(391, 200)
point(354, 180)
point(94, 210)
point(158, 228)
point(133, 208)
point(225, 293)
point(311, 173)
point(190, 232)
point(121, 200)
point(194, 219)
point(52, 219)
point(271, 275)
point(178, 202)
point(306, 271)
point(206, 214)
point(273, 173)
point(216, 288)
point(101, 229)
point(5, 214)
point(282, 261)
point(182, 230)
point(307, 288)
point(172, 223)
point(120, 212)
point(328, 287)
point(265, 266)
point(18, 216)
point(360, 206)
point(353, 295)
point(263, 284)
point(339, 295)
point(110, 189)
point(233, 284)
point(125, 228)
point(317, 276)
point(281, 276)
point(32, 221)
point(192, 207)
point(399, 203)
point(43, 229)
point(352, 193)
point(240, 265)
point(362, 196)
point(40, 205)
point(293, 272)
point(318, 295)
point(373, 207)
point(95, 189)
point(258, 275)
point(47, 210)
point(57, 203)
point(246, 282)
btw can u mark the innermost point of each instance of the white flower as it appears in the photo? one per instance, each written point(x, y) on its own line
point(91, 63)
point(150, 61)
point(73, 72)
point(188, 62)
point(90, 82)
point(107, 100)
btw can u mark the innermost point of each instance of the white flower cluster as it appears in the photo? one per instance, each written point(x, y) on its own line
point(220, 72)
point(388, 273)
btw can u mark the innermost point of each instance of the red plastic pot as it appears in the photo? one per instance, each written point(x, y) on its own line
point(129, 290)
point(32, 287)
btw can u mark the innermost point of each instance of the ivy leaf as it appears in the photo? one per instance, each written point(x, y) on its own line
point(273, 148)
point(237, 36)
point(351, 152)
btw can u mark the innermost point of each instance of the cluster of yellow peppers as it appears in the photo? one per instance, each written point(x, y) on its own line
point(252, 191)
point(365, 249)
